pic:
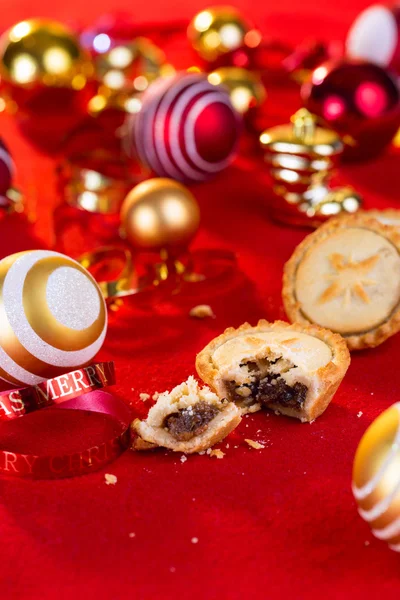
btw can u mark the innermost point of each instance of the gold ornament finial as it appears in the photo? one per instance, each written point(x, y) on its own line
point(304, 125)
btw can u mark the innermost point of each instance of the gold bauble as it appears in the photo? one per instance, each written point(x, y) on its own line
point(376, 477)
point(245, 88)
point(39, 51)
point(218, 30)
point(160, 213)
point(52, 316)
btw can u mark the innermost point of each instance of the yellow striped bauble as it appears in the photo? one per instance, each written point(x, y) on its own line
point(52, 316)
point(376, 477)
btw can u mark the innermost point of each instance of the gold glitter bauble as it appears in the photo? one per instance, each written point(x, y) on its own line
point(39, 51)
point(376, 477)
point(245, 88)
point(52, 316)
point(160, 213)
point(218, 30)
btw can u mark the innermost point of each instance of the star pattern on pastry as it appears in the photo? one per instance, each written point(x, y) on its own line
point(350, 278)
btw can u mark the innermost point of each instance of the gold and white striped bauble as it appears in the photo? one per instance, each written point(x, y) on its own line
point(52, 316)
point(376, 477)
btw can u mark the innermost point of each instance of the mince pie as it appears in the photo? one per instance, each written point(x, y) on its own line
point(188, 419)
point(292, 369)
point(346, 277)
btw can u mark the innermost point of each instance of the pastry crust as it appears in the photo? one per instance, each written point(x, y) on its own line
point(151, 432)
point(327, 377)
point(390, 217)
point(370, 335)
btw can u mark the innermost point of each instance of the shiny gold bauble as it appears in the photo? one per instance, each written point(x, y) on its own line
point(245, 88)
point(376, 477)
point(217, 30)
point(43, 52)
point(160, 213)
point(52, 316)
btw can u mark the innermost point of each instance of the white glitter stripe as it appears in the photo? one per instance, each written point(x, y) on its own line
point(147, 122)
point(381, 507)
point(362, 492)
point(395, 547)
point(391, 530)
point(13, 304)
point(165, 105)
point(15, 371)
point(189, 134)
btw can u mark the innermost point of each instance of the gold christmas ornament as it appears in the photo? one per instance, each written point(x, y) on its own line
point(219, 29)
point(160, 213)
point(125, 72)
point(302, 157)
point(40, 51)
point(52, 316)
point(245, 88)
point(376, 477)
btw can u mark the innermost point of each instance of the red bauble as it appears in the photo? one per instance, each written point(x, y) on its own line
point(109, 30)
point(6, 171)
point(359, 100)
point(375, 36)
point(186, 129)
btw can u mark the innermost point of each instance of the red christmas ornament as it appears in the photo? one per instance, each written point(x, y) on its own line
point(359, 100)
point(7, 169)
point(186, 129)
point(375, 36)
point(108, 31)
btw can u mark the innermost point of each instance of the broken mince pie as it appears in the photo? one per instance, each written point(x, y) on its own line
point(188, 419)
point(292, 369)
point(346, 277)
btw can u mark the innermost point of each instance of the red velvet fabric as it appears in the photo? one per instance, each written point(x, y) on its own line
point(274, 523)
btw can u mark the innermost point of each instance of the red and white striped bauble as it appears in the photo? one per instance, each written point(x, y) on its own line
point(375, 36)
point(187, 128)
point(6, 173)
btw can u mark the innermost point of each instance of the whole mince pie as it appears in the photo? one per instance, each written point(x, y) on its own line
point(292, 369)
point(346, 277)
point(188, 419)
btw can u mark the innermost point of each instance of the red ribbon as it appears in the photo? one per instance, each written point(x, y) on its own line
point(70, 409)
point(17, 403)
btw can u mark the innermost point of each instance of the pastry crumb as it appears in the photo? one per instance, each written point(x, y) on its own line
point(217, 453)
point(360, 414)
point(183, 458)
point(132, 535)
point(202, 452)
point(208, 451)
point(144, 397)
point(156, 396)
point(254, 444)
point(202, 311)
point(227, 446)
point(194, 540)
point(110, 479)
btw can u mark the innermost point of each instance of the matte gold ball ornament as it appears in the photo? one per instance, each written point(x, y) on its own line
point(43, 52)
point(160, 213)
point(246, 89)
point(52, 316)
point(376, 477)
point(218, 30)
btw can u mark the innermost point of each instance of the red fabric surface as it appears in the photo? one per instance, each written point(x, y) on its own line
point(275, 523)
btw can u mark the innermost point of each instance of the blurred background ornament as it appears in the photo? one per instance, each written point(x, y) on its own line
point(53, 316)
point(160, 214)
point(124, 72)
point(374, 36)
point(218, 30)
point(109, 30)
point(301, 157)
point(45, 78)
point(186, 129)
point(359, 100)
point(246, 90)
point(376, 477)
point(308, 55)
